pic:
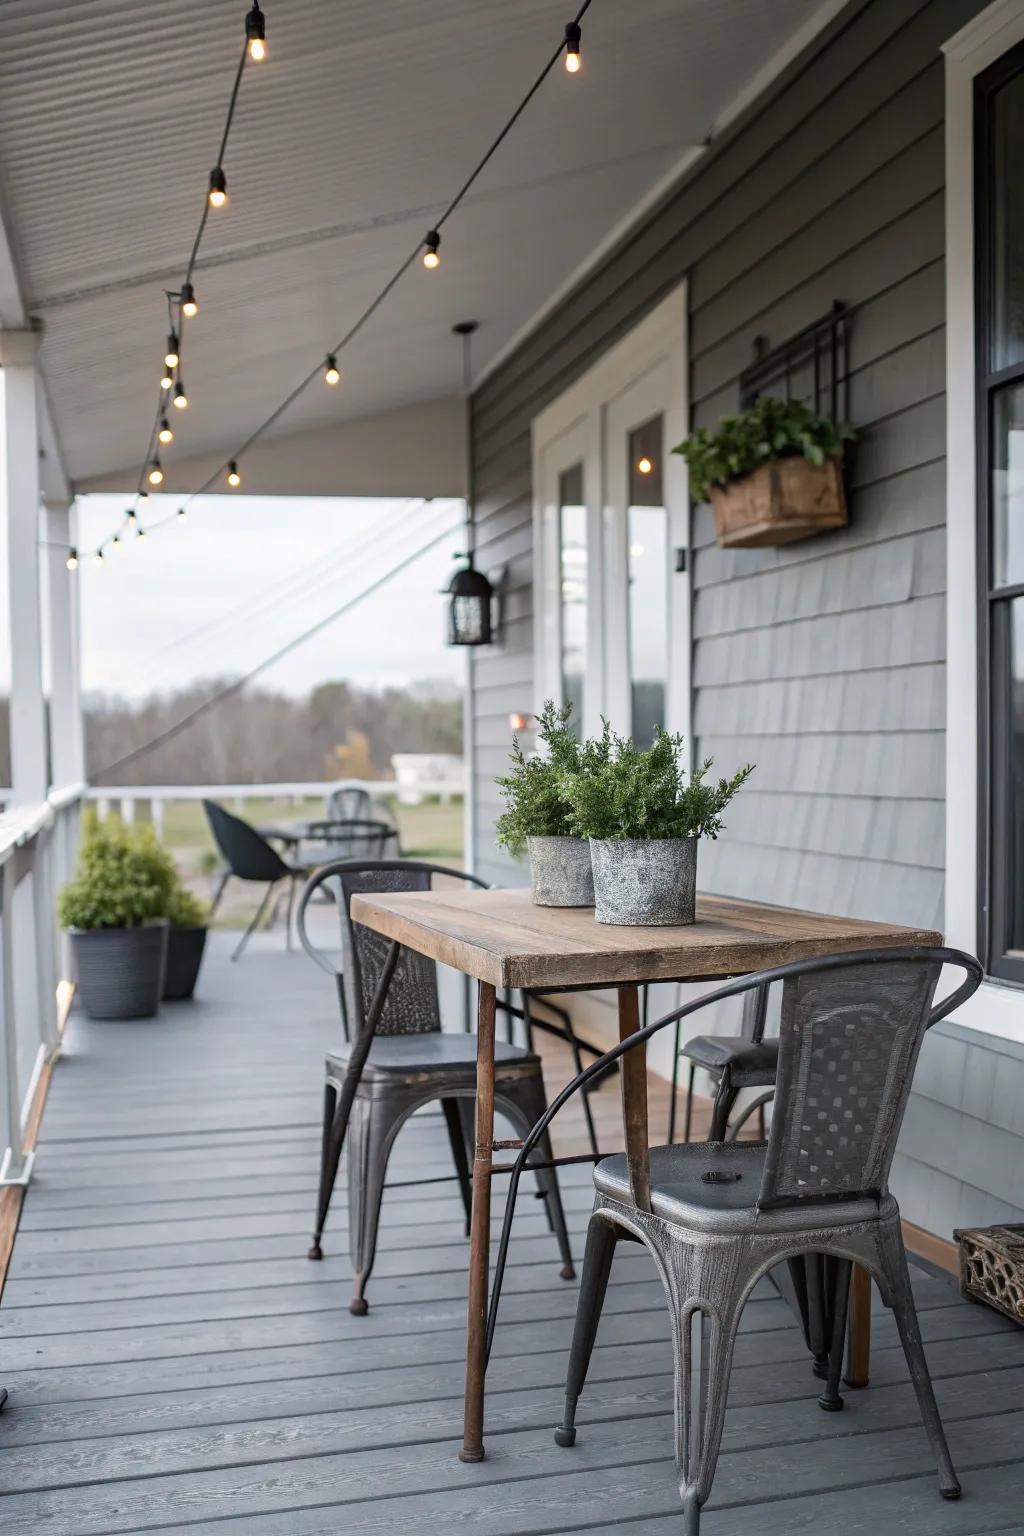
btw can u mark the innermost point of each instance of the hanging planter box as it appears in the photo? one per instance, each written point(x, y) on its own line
point(779, 502)
point(992, 1267)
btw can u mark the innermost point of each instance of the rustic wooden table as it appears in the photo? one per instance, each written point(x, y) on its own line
point(502, 940)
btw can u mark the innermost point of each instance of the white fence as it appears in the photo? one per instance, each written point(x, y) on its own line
point(37, 850)
point(158, 796)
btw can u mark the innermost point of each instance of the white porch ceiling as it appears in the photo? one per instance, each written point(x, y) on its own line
point(348, 140)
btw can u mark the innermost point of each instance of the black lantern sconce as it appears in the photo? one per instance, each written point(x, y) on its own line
point(469, 614)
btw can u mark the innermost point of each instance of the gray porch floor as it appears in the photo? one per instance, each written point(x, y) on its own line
point(175, 1362)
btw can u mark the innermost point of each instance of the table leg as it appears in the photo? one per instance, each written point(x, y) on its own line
point(634, 1101)
point(480, 1231)
point(858, 1354)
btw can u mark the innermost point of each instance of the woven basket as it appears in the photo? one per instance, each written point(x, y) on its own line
point(992, 1267)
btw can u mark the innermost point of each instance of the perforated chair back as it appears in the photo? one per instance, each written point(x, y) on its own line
point(329, 840)
point(849, 1039)
point(349, 804)
point(245, 851)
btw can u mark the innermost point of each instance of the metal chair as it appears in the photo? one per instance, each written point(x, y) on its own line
point(325, 842)
point(248, 855)
point(349, 803)
point(411, 1062)
point(716, 1218)
point(735, 1062)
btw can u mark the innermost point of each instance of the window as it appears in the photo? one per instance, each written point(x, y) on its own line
point(572, 544)
point(999, 212)
point(647, 568)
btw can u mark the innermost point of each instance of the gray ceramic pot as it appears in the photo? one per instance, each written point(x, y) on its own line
point(560, 872)
point(640, 881)
point(184, 957)
point(119, 972)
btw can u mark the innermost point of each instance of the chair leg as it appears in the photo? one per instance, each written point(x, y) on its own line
point(330, 1157)
point(221, 887)
point(457, 1139)
point(371, 1130)
point(725, 1100)
point(688, 1121)
point(839, 1271)
point(257, 919)
point(597, 1264)
point(288, 912)
point(675, 1085)
point(893, 1259)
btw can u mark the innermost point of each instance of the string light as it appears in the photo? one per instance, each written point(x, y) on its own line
point(218, 193)
point(115, 543)
point(180, 397)
point(182, 514)
point(166, 381)
point(256, 33)
point(234, 478)
point(172, 357)
point(644, 465)
point(573, 34)
point(332, 373)
point(130, 514)
point(165, 434)
point(98, 557)
point(156, 473)
point(431, 258)
point(71, 562)
point(143, 497)
point(189, 302)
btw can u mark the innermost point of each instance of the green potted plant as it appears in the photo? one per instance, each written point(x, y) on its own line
point(115, 913)
point(186, 941)
point(536, 818)
point(643, 815)
point(773, 473)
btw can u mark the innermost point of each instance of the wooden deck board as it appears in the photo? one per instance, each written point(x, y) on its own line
point(176, 1363)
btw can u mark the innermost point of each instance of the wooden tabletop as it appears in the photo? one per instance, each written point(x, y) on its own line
point(502, 938)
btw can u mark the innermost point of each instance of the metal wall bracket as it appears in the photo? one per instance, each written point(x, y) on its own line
point(15, 1174)
point(822, 346)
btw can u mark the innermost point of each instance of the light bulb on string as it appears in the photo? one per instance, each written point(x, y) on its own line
point(644, 465)
point(166, 382)
point(189, 302)
point(234, 478)
point(71, 563)
point(142, 496)
point(180, 397)
point(218, 193)
point(256, 34)
point(165, 434)
point(573, 34)
point(98, 557)
point(115, 544)
point(432, 240)
point(332, 373)
point(130, 514)
point(172, 357)
point(182, 514)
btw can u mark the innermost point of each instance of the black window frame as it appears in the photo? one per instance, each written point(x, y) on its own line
point(995, 799)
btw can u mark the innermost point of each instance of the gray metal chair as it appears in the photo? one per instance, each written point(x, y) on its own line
point(718, 1217)
point(411, 1063)
point(349, 803)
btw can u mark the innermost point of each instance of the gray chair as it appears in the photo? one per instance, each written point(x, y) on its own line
point(717, 1217)
point(411, 1062)
point(349, 803)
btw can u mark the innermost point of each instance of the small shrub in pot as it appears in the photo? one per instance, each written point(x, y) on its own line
point(644, 815)
point(536, 815)
point(186, 941)
point(115, 912)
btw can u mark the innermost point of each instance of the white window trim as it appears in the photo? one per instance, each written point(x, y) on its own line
point(996, 1008)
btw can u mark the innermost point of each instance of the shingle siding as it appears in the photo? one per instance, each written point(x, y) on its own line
point(823, 662)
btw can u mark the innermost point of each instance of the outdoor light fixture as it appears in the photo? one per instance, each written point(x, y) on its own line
point(644, 465)
point(72, 560)
point(130, 514)
point(166, 382)
point(172, 357)
point(156, 473)
point(143, 496)
point(469, 615)
point(234, 478)
point(256, 33)
point(98, 557)
point(430, 257)
point(189, 303)
point(572, 47)
point(180, 397)
point(165, 434)
point(218, 193)
point(182, 514)
point(332, 373)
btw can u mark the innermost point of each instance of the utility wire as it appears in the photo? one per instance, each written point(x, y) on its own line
point(239, 683)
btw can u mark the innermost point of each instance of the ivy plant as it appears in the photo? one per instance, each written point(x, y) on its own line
point(771, 429)
point(621, 790)
point(534, 789)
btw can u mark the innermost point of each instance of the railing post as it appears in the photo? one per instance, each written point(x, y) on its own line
point(67, 748)
point(45, 924)
point(16, 1164)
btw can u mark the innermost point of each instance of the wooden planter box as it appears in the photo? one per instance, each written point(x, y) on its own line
point(992, 1267)
point(779, 502)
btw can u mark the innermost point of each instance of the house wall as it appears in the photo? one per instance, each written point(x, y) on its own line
point(822, 662)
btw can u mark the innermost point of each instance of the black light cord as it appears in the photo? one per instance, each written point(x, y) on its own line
point(239, 683)
point(392, 282)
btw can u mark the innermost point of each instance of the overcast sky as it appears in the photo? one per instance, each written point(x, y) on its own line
point(241, 576)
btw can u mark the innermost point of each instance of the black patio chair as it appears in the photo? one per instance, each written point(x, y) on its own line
point(349, 803)
point(411, 1062)
point(733, 1062)
point(249, 856)
point(717, 1217)
point(324, 842)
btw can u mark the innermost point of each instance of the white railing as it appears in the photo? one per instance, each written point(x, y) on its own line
point(158, 796)
point(37, 850)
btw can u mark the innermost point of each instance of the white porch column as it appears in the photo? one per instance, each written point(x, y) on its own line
point(19, 557)
point(67, 747)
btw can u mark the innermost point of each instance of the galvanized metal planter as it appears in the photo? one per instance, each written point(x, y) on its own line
point(644, 881)
point(992, 1267)
point(185, 948)
point(560, 871)
point(119, 972)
